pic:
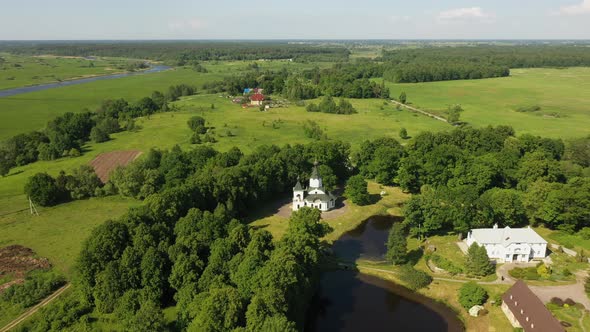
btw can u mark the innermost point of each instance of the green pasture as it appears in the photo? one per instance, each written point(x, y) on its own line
point(20, 71)
point(562, 94)
point(31, 111)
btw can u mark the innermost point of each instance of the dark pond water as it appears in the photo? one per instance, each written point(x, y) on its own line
point(41, 87)
point(350, 301)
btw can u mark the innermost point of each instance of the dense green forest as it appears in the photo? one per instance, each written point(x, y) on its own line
point(185, 245)
point(183, 53)
point(470, 178)
point(454, 63)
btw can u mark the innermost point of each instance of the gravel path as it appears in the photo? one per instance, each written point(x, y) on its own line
point(414, 109)
point(34, 309)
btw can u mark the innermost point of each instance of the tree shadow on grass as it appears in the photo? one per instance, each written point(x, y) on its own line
point(414, 256)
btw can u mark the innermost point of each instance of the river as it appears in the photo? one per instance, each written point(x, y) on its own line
point(47, 86)
point(351, 301)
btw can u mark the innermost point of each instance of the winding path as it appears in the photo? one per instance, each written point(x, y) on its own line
point(34, 309)
point(414, 109)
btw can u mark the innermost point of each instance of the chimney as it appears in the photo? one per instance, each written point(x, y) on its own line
point(495, 226)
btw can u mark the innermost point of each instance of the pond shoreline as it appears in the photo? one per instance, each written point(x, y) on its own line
point(79, 80)
point(349, 298)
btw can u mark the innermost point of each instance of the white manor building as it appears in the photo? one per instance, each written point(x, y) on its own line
point(315, 196)
point(509, 244)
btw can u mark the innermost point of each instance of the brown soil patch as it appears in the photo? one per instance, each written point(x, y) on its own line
point(16, 261)
point(105, 163)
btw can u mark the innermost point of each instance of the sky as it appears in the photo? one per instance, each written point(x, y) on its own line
point(301, 19)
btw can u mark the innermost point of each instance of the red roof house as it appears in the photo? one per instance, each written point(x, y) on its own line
point(256, 99)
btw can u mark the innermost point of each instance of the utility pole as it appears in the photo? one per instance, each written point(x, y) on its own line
point(32, 207)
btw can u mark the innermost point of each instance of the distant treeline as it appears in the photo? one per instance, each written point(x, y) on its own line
point(184, 53)
point(453, 63)
point(66, 134)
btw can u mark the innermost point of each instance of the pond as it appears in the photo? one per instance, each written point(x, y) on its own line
point(352, 301)
point(47, 86)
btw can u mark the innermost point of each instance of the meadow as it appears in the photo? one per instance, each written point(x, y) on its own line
point(31, 111)
point(20, 71)
point(563, 96)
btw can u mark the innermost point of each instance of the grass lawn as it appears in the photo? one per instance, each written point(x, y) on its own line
point(562, 94)
point(57, 233)
point(572, 315)
point(32, 111)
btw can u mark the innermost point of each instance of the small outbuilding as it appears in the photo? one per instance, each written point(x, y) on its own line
point(256, 99)
point(525, 310)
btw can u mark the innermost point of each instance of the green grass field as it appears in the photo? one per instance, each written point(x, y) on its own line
point(19, 71)
point(562, 94)
point(31, 111)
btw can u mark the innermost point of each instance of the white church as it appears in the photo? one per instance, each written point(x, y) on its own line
point(509, 244)
point(315, 196)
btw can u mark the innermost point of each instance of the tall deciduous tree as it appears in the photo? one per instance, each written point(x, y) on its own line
point(356, 190)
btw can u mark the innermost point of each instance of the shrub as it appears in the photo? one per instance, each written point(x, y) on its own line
point(413, 278)
point(35, 288)
point(585, 233)
point(471, 294)
point(570, 302)
point(557, 301)
point(74, 152)
point(446, 264)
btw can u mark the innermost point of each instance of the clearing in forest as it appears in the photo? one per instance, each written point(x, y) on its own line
point(105, 163)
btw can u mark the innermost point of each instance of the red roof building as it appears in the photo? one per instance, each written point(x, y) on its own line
point(257, 99)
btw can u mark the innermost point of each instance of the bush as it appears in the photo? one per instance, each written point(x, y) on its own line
point(414, 279)
point(35, 288)
point(570, 302)
point(529, 273)
point(445, 264)
point(585, 233)
point(557, 301)
point(471, 294)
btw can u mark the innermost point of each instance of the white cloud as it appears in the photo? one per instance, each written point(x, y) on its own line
point(580, 9)
point(397, 18)
point(461, 14)
point(187, 25)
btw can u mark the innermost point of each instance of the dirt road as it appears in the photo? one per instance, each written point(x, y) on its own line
point(34, 309)
point(414, 109)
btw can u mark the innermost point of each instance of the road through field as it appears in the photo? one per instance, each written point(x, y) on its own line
point(414, 109)
point(34, 309)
